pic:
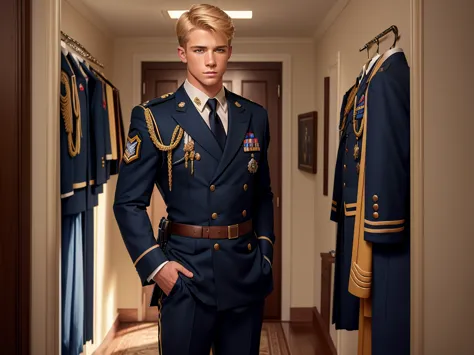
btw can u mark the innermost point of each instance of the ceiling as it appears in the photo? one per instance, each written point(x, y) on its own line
point(148, 18)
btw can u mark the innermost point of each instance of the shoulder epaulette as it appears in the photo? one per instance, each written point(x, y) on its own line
point(244, 99)
point(158, 100)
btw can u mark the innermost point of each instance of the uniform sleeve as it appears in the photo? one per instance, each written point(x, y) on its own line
point(387, 184)
point(98, 110)
point(136, 179)
point(263, 220)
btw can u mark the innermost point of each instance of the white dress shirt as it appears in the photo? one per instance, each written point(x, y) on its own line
point(199, 99)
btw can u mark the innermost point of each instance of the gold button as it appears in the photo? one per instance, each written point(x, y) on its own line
point(344, 185)
point(197, 156)
point(216, 246)
point(375, 198)
point(347, 150)
point(345, 166)
point(214, 215)
point(244, 213)
point(213, 188)
point(249, 247)
point(376, 215)
point(246, 187)
point(376, 207)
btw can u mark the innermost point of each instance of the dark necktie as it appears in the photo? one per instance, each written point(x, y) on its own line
point(216, 124)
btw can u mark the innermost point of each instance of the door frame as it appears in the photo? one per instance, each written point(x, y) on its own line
point(287, 159)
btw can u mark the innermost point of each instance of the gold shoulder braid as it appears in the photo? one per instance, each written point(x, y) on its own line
point(158, 141)
point(66, 110)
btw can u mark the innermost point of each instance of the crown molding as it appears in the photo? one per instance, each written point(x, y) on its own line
point(330, 18)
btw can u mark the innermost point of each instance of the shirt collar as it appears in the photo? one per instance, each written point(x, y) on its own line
point(199, 98)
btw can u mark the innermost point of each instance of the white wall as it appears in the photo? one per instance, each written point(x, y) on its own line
point(359, 22)
point(448, 125)
point(82, 28)
point(301, 202)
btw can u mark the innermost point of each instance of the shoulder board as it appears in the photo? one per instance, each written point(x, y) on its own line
point(241, 99)
point(158, 100)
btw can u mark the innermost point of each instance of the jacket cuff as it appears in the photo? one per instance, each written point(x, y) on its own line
point(147, 262)
point(385, 232)
point(334, 211)
point(266, 247)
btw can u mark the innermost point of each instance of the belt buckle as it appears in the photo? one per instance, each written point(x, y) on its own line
point(233, 231)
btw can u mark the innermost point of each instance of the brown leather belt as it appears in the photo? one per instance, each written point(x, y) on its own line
point(211, 232)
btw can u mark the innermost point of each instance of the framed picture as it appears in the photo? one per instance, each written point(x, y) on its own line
point(307, 141)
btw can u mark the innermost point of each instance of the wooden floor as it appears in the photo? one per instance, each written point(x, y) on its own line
point(277, 339)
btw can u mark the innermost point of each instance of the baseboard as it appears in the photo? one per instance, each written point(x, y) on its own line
point(323, 329)
point(301, 315)
point(108, 338)
point(128, 315)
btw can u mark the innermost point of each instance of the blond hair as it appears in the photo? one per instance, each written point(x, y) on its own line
point(205, 17)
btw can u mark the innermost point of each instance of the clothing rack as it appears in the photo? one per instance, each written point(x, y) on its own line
point(80, 49)
point(374, 40)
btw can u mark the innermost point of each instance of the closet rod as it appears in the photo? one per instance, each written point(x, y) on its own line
point(71, 42)
point(374, 40)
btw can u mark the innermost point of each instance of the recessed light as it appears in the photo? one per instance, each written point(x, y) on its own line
point(175, 14)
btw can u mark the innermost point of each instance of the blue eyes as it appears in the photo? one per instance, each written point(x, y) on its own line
point(202, 51)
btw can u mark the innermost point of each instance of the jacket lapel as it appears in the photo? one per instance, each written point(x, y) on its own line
point(239, 120)
point(191, 121)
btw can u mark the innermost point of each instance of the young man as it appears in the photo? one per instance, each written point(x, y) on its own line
point(205, 148)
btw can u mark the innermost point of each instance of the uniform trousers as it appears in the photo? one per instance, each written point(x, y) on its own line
point(190, 327)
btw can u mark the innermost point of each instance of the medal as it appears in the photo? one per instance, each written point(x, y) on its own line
point(189, 152)
point(356, 150)
point(358, 168)
point(253, 165)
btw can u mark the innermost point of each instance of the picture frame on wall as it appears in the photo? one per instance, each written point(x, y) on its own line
point(307, 141)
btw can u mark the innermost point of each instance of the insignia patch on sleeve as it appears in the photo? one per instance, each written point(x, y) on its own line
point(132, 149)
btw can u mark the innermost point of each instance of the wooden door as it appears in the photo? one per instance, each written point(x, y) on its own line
point(261, 83)
point(15, 176)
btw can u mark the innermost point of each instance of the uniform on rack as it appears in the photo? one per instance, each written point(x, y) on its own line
point(85, 147)
point(371, 202)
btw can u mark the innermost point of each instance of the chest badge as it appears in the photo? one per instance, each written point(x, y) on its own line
point(253, 165)
point(251, 143)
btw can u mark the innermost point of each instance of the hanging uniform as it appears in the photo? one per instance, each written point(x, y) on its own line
point(98, 118)
point(345, 305)
point(380, 261)
point(73, 198)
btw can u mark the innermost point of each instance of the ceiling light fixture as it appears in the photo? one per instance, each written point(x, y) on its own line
point(175, 14)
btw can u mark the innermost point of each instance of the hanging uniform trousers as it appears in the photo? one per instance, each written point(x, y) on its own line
point(73, 203)
point(380, 261)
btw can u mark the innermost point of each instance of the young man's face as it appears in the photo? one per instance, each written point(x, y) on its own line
point(206, 55)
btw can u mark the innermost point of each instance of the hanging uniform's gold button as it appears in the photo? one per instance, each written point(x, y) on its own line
point(345, 167)
point(216, 246)
point(376, 207)
point(212, 188)
point(197, 156)
point(246, 187)
point(376, 215)
point(249, 246)
point(375, 198)
point(244, 213)
point(214, 215)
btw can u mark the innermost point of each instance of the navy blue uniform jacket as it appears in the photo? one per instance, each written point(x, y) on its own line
point(217, 188)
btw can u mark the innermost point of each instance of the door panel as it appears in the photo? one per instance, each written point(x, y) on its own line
point(260, 83)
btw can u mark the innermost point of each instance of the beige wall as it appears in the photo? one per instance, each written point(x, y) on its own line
point(300, 203)
point(347, 34)
point(448, 125)
point(100, 45)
